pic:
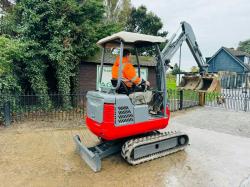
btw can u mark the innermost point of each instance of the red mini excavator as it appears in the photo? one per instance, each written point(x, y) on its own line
point(129, 122)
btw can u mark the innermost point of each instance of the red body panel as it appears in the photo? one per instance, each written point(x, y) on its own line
point(108, 131)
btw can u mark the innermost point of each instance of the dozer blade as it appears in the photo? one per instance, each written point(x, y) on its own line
point(91, 158)
point(189, 82)
point(93, 155)
point(209, 83)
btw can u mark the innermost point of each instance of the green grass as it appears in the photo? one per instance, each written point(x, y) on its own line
point(171, 81)
point(213, 96)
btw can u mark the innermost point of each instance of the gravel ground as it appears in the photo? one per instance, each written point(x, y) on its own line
point(218, 155)
point(217, 119)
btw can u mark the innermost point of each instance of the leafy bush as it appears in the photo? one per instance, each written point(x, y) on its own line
point(11, 56)
point(59, 35)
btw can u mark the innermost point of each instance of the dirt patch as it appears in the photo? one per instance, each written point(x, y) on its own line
point(45, 156)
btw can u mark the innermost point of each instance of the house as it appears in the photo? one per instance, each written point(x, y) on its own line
point(89, 68)
point(229, 60)
point(232, 65)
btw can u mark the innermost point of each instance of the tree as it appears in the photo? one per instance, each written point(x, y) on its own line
point(194, 69)
point(11, 54)
point(176, 69)
point(58, 34)
point(244, 46)
point(145, 22)
point(117, 11)
point(5, 5)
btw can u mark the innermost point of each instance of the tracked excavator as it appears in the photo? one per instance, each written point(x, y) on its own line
point(132, 128)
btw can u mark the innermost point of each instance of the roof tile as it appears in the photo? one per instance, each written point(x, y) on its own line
point(236, 52)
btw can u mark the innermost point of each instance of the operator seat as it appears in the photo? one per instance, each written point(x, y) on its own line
point(138, 96)
point(123, 89)
point(141, 98)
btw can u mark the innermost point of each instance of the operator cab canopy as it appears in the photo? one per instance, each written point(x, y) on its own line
point(130, 40)
point(125, 40)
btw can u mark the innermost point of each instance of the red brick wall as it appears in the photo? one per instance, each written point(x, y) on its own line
point(87, 79)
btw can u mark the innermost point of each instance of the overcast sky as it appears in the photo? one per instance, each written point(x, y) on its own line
point(216, 23)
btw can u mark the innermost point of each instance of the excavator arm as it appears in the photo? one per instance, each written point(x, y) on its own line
point(175, 42)
point(204, 82)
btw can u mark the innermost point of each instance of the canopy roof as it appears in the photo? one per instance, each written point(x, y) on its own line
point(130, 39)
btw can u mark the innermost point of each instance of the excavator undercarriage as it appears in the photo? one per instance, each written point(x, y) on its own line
point(135, 150)
point(138, 150)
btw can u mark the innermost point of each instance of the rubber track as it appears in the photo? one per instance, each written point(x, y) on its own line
point(128, 147)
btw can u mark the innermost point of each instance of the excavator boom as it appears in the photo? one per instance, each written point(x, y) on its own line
point(202, 82)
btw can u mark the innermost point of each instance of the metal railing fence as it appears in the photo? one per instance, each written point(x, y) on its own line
point(21, 107)
point(234, 95)
point(51, 107)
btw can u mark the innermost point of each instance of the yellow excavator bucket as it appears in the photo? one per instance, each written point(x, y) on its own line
point(204, 83)
point(189, 82)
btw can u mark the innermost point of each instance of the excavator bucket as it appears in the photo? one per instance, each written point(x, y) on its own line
point(189, 82)
point(204, 83)
point(209, 83)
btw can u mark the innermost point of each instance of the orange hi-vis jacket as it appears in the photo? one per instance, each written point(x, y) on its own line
point(128, 72)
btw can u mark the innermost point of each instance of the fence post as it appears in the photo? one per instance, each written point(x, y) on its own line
point(245, 92)
point(181, 100)
point(202, 98)
point(7, 116)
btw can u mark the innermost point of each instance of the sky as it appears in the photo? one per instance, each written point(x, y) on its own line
point(216, 23)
